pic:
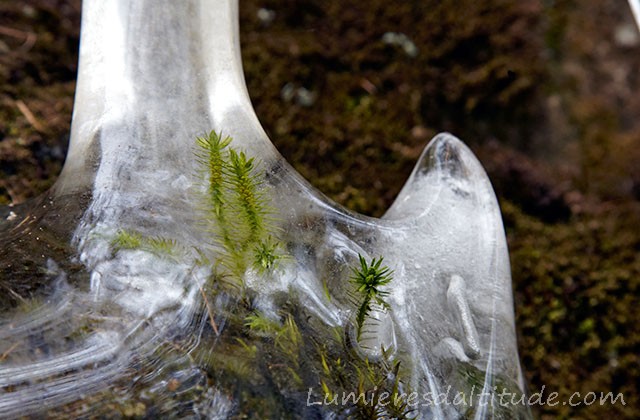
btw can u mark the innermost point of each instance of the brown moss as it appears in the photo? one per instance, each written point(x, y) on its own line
point(574, 285)
point(37, 74)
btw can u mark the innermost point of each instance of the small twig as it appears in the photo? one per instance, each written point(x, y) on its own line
point(209, 311)
point(9, 350)
point(14, 33)
point(13, 292)
point(29, 116)
point(368, 86)
point(29, 37)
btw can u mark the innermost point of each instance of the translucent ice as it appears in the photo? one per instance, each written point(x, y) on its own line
point(635, 9)
point(128, 293)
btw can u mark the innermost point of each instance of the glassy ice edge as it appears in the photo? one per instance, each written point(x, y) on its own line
point(87, 328)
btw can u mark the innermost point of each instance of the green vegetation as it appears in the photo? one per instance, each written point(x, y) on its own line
point(236, 206)
point(470, 383)
point(368, 279)
point(244, 237)
point(575, 281)
point(249, 240)
point(373, 390)
point(266, 254)
point(126, 239)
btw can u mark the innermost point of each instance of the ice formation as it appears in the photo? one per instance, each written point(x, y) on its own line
point(137, 329)
point(635, 10)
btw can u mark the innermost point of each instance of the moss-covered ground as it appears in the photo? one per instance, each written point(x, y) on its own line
point(545, 93)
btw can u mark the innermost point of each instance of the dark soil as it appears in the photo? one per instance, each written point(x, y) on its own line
point(545, 93)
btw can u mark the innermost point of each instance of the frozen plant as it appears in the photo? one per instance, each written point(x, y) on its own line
point(149, 282)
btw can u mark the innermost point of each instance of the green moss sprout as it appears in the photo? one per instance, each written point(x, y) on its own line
point(266, 254)
point(286, 336)
point(376, 387)
point(237, 205)
point(128, 239)
point(369, 278)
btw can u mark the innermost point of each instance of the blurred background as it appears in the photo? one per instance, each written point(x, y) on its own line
point(545, 92)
